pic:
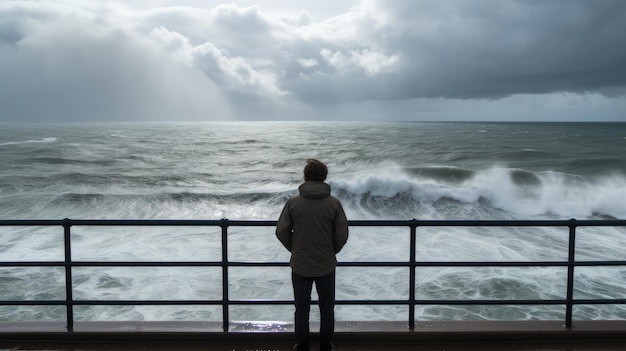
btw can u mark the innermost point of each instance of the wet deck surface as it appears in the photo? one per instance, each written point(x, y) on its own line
point(370, 346)
point(441, 336)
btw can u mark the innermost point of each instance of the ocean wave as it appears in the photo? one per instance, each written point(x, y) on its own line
point(77, 198)
point(443, 174)
point(193, 197)
point(167, 204)
point(59, 160)
point(35, 141)
point(491, 192)
point(387, 193)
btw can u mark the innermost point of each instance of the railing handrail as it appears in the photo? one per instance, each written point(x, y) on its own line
point(357, 223)
point(225, 263)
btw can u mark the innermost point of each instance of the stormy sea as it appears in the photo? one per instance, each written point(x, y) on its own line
point(247, 170)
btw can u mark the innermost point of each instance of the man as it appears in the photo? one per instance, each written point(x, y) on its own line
point(313, 227)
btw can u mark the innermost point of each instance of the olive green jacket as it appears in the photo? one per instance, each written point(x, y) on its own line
point(313, 227)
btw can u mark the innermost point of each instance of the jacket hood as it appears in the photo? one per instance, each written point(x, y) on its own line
point(314, 190)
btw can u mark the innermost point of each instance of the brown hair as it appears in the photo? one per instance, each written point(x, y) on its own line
point(315, 170)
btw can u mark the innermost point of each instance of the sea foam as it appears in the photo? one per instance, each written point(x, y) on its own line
point(37, 141)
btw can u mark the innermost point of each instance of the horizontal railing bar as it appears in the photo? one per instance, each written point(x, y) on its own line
point(456, 264)
point(33, 303)
point(283, 302)
point(290, 302)
point(109, 264)
point(599, 301)
point(366, 223)
point(406, 302)
point(286, 264)
point(489, 223)
point(493, 264)
point(112, 302)
point(31, 222)
point(491, 302)
point(416, 302)
point(599, 263)
point(145, 264)
point(32, 264)
point(123, 222)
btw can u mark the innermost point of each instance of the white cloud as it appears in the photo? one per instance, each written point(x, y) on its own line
point(175, 44)
point(235, 72)
point(66, 67)
point(371, 62)
point(308, 63)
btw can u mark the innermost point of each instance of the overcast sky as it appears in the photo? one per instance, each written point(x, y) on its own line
point(423, 60)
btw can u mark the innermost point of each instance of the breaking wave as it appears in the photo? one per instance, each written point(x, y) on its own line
point(502, 192)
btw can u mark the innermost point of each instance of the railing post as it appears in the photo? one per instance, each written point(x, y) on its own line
point(571, 262)
point(69, 300)
point(225, 299)
point(412, 245)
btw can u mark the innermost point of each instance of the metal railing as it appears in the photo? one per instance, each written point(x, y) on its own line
point(68, 264)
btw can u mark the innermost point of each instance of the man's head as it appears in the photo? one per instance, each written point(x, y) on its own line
point(315, 170)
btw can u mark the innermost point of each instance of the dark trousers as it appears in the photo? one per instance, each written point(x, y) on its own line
point(325, 287)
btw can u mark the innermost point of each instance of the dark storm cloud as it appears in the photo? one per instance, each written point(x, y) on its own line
point(102, 60)
point(479, 49)
point(526, 47)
